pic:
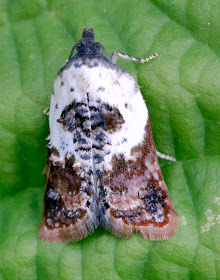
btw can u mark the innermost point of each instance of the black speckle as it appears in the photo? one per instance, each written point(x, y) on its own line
point(90, 172)
point(101, 89)
point(97, 147)
point(124, 140)
point(106, 205)
point(93, 108)
point(87, 203)
point(56, 106)
point(87, 191)
point(99, 124)
point(108, 107)
point(126, 105)
point(72, 89)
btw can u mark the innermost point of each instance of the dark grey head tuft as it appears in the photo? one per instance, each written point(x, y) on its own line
point(88, 36)
point(87, 47)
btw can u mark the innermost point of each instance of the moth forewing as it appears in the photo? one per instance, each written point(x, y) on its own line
point(102, 165)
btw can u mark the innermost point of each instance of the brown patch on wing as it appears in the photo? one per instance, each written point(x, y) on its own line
point(113, 118)
point(136, 197)
point(106, 117)
point(66, 204)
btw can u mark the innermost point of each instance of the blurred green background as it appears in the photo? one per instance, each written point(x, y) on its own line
point(182, 92)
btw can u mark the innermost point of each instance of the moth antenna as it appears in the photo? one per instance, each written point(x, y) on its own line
point(160, 155)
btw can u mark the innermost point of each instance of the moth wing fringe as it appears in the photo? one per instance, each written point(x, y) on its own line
point(74, 232)
point(160, 233)
point(122, 230)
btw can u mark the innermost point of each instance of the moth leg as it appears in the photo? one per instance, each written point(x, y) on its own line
point(99, 45)
point(46, 111)
point(115, 56)
point(72, 51)
point(160, 155)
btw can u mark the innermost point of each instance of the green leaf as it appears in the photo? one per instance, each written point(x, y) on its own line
point(182, 91)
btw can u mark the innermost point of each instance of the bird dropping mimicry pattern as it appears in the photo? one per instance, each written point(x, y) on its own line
point(102, 165)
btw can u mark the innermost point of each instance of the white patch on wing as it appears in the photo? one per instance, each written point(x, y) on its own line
point(118, 89)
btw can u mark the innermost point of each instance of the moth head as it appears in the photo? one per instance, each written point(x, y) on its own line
point(87, 45)
point(88, 36)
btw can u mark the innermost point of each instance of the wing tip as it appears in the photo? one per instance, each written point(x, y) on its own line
point(74, 232)
point(151, 232)
point(160, 233)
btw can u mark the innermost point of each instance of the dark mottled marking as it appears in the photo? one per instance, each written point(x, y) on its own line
point(113, 118)
point(98, 158)
point(85, 156)
point(62, 83)
point(93, 108)
point(130, 215)
point(97, 125)
point(95, 64)
point(106, 205)
point(85, 149)
point(100, 172)
point(78, 138)
point(138, 212)
point(151, 196)
point(126, 105)
point(87, 190)
point(108, 107)
point(82, 111)
point(100, 137)
point(97, 147)
point(72, 89)
point(56, 106)
point(87, 132)
point(98, 117)
point(61, 181)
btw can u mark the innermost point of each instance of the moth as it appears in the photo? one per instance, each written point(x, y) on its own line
point(102, 165)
